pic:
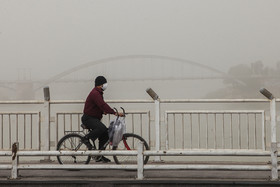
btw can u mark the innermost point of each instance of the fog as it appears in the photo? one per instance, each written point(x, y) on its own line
point(169, 45)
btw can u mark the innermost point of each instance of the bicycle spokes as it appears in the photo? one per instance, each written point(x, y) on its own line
point(72, 142)
point(130, 142)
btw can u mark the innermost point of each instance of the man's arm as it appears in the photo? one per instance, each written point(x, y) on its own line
point(102, 105)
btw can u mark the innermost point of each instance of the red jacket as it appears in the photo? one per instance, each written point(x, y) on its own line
point(95, 105)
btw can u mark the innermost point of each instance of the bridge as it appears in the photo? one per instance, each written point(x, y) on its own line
point(131, 68)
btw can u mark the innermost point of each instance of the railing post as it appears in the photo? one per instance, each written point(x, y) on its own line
point(14, 172)
point(45, 140)
point(156, 98)
point(157, 127)
point(140, 161)
point(274, 151)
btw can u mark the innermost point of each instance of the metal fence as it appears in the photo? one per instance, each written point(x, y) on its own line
point(15, 166)
point(215, 129)
point(176, 129)
point(209, 130)
point(21, 127)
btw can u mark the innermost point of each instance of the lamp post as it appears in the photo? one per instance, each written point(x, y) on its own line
point(274, 151)
point(46, 122)
point(156, 99)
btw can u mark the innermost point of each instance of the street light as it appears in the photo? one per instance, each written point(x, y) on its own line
point(47, 93)
point(152, 93)
point(267, 94)
point(274, 150)
point(156, 99)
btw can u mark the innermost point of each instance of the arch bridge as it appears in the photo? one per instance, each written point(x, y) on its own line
point(127, 68)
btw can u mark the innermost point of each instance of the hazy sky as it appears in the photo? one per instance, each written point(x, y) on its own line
point(50, 36)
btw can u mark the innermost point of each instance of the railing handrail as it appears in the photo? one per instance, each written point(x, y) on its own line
point(23, 102)
point(139, 166)
point(142, 101)
point(19, 112)
point(214, 100)
point(213, 111)
point(178, 152)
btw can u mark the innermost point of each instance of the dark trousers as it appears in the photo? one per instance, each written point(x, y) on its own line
point(99, 130)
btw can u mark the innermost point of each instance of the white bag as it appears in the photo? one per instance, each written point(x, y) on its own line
point(116, 130)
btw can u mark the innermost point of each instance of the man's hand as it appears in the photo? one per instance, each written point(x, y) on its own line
point(119, 114)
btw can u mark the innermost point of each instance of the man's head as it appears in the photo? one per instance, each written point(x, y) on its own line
point(99, 81)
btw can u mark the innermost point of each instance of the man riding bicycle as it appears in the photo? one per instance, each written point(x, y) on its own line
point(94, 108)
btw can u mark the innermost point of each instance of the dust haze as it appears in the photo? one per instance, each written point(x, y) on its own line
point(181, 48)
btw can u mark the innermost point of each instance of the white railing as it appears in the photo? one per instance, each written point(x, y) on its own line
point(49, 119)
point(16, 125)
point(225, 126)
point(139, 166)
point(46, 120)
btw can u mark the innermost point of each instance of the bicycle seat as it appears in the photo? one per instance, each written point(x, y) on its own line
point(84, 127)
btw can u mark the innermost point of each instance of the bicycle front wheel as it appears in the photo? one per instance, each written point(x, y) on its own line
point(130, 142)
point(72, 142)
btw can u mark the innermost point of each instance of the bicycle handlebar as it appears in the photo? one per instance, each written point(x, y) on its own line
point(118, 112)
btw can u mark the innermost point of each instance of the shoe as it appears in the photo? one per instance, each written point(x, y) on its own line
point(102, 159)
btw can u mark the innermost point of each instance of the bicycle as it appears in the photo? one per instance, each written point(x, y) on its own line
point(75, 142)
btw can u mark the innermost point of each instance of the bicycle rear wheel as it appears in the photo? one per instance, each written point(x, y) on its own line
point(72, 142)
point(130, 142)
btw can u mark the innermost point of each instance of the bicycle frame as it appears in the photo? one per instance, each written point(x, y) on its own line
point(123, 139)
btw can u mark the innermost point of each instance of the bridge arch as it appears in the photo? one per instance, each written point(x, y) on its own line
point(117, 58)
